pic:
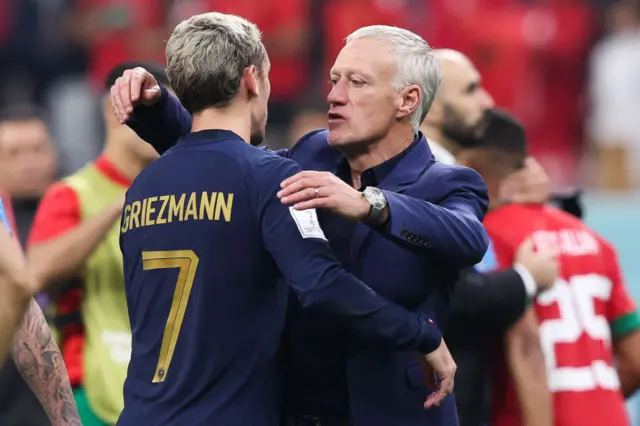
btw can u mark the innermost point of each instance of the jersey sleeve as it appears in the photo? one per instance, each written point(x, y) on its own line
point(58, 212)
point(621, 310)
point(301, 251)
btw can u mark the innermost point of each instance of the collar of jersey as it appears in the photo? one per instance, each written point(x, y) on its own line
point(209, 136)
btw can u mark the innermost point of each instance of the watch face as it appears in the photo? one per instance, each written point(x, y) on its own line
point(375, 197)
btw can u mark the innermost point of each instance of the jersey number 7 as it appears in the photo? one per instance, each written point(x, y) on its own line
point(187, 262)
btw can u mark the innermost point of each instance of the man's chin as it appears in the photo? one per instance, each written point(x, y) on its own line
point(337, 138)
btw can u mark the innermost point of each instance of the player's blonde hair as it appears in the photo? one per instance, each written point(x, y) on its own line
point(415, 60)
point(206, 56)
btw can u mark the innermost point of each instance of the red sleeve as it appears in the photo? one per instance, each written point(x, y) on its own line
point(620, 303)
point(58, 212)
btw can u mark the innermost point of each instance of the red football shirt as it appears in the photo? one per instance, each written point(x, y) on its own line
point(58, 213)
point(578, 316)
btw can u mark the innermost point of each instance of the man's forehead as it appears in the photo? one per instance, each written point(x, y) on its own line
point(458, 74)
point(18, 132)
point(365, 55)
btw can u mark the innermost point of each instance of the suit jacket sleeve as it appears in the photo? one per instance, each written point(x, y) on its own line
point(452, 227)
point(296, 242)
point(490, 302)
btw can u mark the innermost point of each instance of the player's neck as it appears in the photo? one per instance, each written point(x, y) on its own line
point(364, 157)
point(435, 135)
point(233, 118)
point(126, 163)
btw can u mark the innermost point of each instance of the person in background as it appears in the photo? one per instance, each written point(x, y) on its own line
point(613, 125)
point(27, 336)
point(27, 168)
point(28, 163)
point(488, 303)
point(14, 285)
point(587, 323)
point(74, 252)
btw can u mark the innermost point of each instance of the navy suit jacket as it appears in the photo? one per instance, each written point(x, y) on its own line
point(434, 231)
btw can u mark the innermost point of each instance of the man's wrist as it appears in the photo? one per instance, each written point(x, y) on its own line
point(530, 286)
point(378, 208)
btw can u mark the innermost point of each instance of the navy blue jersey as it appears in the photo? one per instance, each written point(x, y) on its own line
point(208, 252)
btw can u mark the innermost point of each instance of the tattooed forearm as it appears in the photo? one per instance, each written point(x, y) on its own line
point(38, 359)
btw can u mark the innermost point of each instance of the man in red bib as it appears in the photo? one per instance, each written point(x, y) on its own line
point(587, 322)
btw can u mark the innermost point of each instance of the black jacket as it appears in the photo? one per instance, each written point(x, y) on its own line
point(483, 307)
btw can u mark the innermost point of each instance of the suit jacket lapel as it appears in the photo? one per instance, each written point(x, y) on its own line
point(410, 168)
point(402, 176)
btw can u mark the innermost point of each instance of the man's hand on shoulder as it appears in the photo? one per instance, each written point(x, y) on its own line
point(542, 267)
point(323, 190)
point(135, 87)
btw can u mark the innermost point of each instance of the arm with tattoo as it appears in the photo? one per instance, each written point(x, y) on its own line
point(40, 362)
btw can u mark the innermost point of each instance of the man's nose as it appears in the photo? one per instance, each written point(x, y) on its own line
point(338, 94)
point(487, 100)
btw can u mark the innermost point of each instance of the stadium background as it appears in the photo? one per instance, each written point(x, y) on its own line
point(570, 70)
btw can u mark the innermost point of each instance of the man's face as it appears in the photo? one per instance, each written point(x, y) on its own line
point(362, 101)
point(463, 100)
point(260, 103)
point(28, 161)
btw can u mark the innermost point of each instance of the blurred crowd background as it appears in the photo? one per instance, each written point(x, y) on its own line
point(569, 69)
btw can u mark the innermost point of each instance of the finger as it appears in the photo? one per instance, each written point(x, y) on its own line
point(434, 399)
point(152, 93)
point(300, 185)
point(446, 384)
point(137, 80)
point(301, 175)
point(124, 87)
point(526, 247)
point(300, 196)
point(316, 203)
point(118, 108)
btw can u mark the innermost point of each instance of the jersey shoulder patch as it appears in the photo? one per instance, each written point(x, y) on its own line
point(489, 262)
point(307, 223)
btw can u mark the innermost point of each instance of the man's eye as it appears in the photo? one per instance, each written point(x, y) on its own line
point(357, 83)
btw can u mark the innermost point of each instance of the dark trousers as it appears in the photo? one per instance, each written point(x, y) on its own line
point(316, 421)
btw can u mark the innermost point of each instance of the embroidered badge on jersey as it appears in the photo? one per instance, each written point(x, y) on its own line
point(489, 262)
point(307, 222)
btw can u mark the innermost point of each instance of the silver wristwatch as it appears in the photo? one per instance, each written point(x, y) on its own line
point(378, 202)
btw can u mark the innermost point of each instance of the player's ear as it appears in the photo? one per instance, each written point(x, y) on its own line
point(408, 101)
point(251, 80)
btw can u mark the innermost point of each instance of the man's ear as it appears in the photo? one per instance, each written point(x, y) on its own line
point(409, 100)
point(250, 77)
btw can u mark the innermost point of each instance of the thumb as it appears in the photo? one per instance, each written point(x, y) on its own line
point(151, 93)
point(526, 247)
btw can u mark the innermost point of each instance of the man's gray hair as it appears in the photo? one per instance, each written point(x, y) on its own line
point(206, 56)
point(415, 60)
